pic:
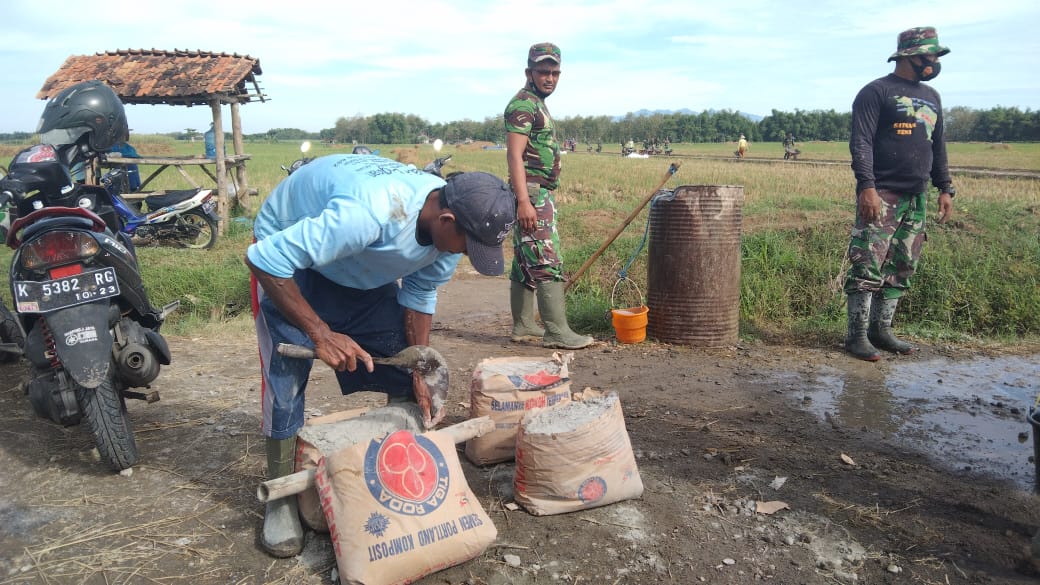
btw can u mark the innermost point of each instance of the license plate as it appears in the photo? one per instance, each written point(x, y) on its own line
point(50, 295)
point(209, 206)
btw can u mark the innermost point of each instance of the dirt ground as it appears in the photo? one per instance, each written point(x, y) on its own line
point(715, 431)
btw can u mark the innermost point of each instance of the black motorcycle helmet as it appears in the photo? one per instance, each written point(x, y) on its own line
point(88, 108)
point(36, 178)
point(361, 149)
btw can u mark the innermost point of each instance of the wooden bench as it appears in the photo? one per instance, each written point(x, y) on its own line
point(179, 162)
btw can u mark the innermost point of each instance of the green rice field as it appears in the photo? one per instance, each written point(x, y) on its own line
point(978, 279)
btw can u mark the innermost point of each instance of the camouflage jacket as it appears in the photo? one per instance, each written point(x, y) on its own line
point(526, 114)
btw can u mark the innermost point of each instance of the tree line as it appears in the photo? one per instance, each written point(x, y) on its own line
point(963, 124)
point(999, 124)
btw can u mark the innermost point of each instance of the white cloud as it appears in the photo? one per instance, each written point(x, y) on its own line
point(444, 60)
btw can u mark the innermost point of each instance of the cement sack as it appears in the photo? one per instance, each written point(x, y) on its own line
point(574, 457)
point(332, 432)
point(505, 389)
point(399, 508)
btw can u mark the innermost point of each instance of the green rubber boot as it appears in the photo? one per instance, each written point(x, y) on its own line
point(521, 301)
point(879, 333)
point(856, 342)
point(552, 304)
point(282, 535)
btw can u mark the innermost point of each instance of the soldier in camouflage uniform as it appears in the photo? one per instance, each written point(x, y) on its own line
point(897, 144)
point(533, 157)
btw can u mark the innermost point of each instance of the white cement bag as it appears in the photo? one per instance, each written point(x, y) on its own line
point(332, 432)
point(574, 457)
point(505, 389)
point(399, 508)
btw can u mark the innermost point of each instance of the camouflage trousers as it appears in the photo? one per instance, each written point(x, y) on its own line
point(536, 256)
point(884, 255)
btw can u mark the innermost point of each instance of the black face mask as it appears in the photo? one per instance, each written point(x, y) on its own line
point(926, 70)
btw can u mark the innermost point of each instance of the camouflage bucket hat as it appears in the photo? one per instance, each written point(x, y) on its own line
point(919, 41)
point(543, 51)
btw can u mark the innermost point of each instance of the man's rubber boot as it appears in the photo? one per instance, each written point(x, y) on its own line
point(856, 342)
point(521, 302)
point(880, 331)
point(552, 304)
point(282, 535)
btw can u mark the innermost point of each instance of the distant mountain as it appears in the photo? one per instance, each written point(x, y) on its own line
point(685, 111)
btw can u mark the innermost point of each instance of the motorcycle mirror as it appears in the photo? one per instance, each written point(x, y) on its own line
point(305, 146)
point(438, 145)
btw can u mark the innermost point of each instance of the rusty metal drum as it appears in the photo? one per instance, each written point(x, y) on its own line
point(693, 273)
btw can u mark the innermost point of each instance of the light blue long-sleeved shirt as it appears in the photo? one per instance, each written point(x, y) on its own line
point(353, 219)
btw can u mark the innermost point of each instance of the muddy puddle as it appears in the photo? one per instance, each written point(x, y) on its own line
point(970, 415)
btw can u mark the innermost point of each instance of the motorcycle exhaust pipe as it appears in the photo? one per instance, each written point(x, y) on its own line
point(137, 364)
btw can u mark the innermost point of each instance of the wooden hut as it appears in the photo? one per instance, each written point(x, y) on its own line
point(177, 78)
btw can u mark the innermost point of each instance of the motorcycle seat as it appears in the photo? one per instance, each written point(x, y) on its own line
point(169, 198)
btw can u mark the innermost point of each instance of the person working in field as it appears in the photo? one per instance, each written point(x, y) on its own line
point(332, 241)
point(742, 147)
point(897, 145)
point(533, 157)
point(790, 151)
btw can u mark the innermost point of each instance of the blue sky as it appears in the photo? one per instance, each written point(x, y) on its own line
point(452, 60)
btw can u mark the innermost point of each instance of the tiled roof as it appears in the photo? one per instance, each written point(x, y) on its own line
point(152, 76)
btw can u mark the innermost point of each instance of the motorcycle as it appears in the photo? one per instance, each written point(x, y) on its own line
point(91, 333)
point(434, 167)
point(186, 218)
point(304, 148)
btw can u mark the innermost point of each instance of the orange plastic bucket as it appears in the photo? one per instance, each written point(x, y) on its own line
point(630, 324)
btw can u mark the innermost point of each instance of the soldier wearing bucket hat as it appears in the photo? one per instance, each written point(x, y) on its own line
point(919, 41)
point(533, 158)
point(350, 251)
point(898, 146)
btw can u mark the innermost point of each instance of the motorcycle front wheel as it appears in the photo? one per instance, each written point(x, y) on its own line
point(104, 411)
point(195, 229)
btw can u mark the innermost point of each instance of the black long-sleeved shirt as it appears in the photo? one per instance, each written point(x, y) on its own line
point(897, 136)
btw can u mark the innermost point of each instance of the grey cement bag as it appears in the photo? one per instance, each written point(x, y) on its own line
point(399, 508)
point(575, 456)
point(507, 388)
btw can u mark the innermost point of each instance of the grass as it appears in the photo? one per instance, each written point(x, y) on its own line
point(977, 280)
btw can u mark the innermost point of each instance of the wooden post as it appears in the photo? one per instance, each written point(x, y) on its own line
point(300, 481)
point(240, 166)
point(667, 175)
point(223, 208)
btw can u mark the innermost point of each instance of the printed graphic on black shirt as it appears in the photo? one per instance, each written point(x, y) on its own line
point(922, 111)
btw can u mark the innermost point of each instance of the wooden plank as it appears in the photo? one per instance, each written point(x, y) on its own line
point(187, 177)
point(171, 160)
point(208, 173)
point(295, 483)
point(152, 176)
point(223, 209)
point(233, 168)
point(240, 178)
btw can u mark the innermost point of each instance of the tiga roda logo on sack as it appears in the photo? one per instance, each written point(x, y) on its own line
point(406, 473)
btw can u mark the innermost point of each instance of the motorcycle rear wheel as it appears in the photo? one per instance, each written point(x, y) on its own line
point(10, 332)
point(195, 229)
point(104, 411)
